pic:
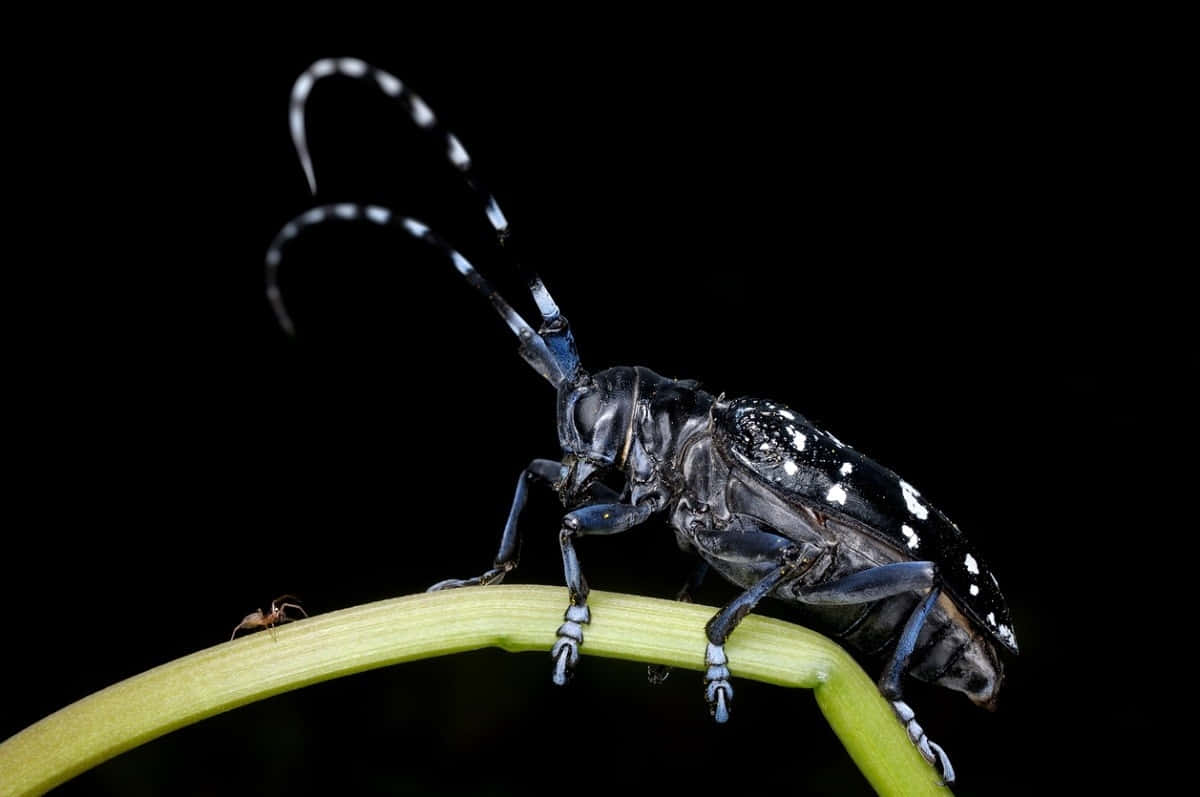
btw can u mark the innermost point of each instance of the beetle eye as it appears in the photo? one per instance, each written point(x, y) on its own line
point(587, 409)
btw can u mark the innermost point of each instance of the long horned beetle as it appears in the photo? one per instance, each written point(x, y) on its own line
point(773, 504)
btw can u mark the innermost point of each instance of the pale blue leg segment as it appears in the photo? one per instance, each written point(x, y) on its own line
point(878, 583)
point(889, 685)
point(595, 519)
point(718, 692)
point(774, 559)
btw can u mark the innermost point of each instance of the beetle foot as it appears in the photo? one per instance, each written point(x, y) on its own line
point(932, 751)
point(570, 636)
point(493, 576)
point(717, 690)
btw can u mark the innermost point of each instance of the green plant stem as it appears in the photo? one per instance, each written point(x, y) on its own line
point(515, 618)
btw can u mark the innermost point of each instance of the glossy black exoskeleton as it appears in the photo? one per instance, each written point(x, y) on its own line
point(775, 505)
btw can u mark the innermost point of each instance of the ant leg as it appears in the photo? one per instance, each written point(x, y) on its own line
point(508, 555)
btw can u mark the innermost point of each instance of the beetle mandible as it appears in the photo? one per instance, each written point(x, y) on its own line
point(773, 504)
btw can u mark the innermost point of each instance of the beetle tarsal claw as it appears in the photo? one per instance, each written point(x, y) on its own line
point(570, 636)
point(449, 583)
point(943, 762)
point(931, 750)
point(493, 576)
point(565, 653)
point(718, 692)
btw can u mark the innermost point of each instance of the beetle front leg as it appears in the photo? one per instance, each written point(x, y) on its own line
point(545, 470)
point(595, 519)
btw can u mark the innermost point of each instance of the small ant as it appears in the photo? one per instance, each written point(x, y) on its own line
point(276, 616)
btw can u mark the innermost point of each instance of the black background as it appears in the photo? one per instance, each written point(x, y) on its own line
point(886, 239)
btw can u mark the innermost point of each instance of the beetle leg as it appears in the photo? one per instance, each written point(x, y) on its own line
point(507, 557)
point(871, 584)
point(594, 519)
point(717, 690)
point(881, 582)
point(759, 552)
point(657, 673)
point(889, 685)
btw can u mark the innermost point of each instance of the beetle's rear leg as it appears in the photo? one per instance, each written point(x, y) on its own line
point(881, 582)
point(508, 555)
point(889, 685)
point(594, 519)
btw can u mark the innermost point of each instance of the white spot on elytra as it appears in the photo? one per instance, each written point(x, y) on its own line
point(910, 500)
point(991, 617)
point(911, 536)
point(765, 447)
point(790, 467)
point(847, 469)
point(836, 493)
point(1006, 634)
point(974, 589)
point(972, 565)
point(798, 440)
point(787, 415)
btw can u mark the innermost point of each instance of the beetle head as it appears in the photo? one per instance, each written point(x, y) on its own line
point(978, 673)
point(595, 424)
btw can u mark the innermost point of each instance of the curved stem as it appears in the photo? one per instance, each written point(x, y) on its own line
point(515, 618)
